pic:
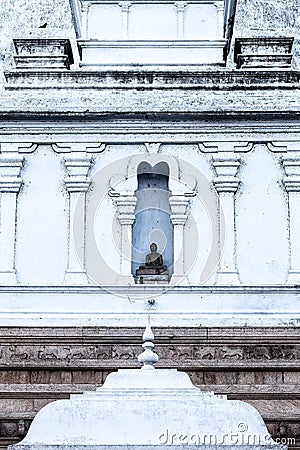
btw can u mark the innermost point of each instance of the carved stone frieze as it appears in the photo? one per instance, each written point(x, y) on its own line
point(181, 353)
point(14, 428)
point(247, 352)
point(27, 353)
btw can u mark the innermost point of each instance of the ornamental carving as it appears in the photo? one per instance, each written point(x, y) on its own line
point(171, 353)
point(249, 353)
point(14, 428)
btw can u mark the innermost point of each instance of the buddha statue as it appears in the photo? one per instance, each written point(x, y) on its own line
point(153, 265)
point(154, 259)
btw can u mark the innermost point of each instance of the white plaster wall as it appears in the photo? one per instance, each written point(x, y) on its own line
point(103, 231)
point(105, 21)
point(201, 229)
point(42, 220)
point(201, 21)
point(262, 220)
point(153, 20)
point(262, 249)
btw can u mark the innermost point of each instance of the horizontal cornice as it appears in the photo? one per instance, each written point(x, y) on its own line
point(153, 78)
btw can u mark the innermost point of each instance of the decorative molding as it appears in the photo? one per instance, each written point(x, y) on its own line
point(126, 207)
point(226, 184)
point(277, 147)
point(95, 147)
point(225, 146)
point(291, 165)
point(179, 209)
point(78, 168)
point(208, 147)
point(10, 168)
point(15, 147)
point(125, 6)
point(122, 352)
point(153, 147)
point(27, 148)
point(79, 147)
point(226, 166)
point(14, 428)
point(284, 146)
point(180, 5)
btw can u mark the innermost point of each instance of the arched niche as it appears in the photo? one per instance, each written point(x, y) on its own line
point(152, 215)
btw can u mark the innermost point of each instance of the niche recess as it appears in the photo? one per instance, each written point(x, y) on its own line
point(152, 215)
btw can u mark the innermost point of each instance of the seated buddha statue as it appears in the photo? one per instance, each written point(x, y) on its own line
point(154, 263)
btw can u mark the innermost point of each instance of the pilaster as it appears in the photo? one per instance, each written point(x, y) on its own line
point(220, 12)
point(85, 11)
point(125, 16)
point(77, 183)
point(226, 165)
point(126, 207)
point(291, 181)
point(179, 213)
point(10, 183)
point(291, 165)
point(180, 7)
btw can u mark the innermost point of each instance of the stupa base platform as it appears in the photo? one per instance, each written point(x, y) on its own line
point(146, 447)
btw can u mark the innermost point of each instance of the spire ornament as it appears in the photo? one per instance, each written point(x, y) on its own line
point(148, 357)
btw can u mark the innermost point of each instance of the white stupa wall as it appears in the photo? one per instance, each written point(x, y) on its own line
point(261, 231)
point(42, 220)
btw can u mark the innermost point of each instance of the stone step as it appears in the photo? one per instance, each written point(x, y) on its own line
point(248, 391)
point(48, 391)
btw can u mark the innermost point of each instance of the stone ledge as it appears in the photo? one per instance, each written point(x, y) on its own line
point(89, 289)
point(163, 335)
point(147, 447)
point(96, 53)
point(233, 391)
point(45, 391)
point(188, 365)
point(103, 103)
point(193, 306)
point(178, 78)
point(255, 391)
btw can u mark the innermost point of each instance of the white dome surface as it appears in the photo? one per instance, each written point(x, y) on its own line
point(147, 407)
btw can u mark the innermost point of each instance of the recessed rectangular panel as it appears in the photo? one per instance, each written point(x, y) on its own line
point(201, 21)
point(105, 21)
point(152, 21)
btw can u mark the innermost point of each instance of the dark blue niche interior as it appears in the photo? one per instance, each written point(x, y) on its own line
point(152, 216)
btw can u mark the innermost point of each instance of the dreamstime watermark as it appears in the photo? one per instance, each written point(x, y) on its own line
point(105, 256)
point(239, 437)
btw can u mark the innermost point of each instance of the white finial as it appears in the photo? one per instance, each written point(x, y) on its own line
point(148, 357)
